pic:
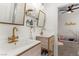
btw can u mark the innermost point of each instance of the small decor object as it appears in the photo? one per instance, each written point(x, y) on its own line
point(71, 39)
point(29, 22)
point(41, 33)
point(61, 38)
point(70, 23)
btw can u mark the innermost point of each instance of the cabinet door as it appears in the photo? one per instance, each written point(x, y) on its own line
point(35, 51)
point(44, 41)
point(19, 13)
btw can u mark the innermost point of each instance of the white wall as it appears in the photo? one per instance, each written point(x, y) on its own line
point(69, 31)
point(52, 21)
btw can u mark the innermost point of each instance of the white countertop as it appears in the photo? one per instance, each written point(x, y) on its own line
point(10, 49)
point(45, 35)
point(60, 43)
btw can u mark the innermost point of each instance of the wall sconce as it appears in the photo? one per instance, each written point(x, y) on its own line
point(28, 12)
point(31, 13)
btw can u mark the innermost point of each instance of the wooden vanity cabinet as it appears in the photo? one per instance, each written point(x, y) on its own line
point(47, 43)
point(33, 51)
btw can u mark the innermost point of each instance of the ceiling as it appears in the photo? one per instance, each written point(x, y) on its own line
point(68, 7)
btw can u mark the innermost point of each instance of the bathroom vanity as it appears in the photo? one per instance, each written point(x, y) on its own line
point(22, 48)
point(47, 43)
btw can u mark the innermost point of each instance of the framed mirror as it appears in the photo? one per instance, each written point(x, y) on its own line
point(12, 13)
point(41, 19)
point(19, 13)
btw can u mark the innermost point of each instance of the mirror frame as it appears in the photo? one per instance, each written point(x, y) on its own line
point(14, 20)
point(43, 19)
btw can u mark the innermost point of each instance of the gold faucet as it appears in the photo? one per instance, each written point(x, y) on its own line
point(13, 38)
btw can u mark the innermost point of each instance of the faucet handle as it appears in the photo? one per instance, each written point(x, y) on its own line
point(9, 38)
point(17, 37)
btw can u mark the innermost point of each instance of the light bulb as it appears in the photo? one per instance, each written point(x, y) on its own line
point(69, 12)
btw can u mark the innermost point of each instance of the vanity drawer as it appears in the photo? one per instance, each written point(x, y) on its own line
point(44, 42)
point(34, 51)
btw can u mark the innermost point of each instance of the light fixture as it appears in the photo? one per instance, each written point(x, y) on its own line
point(28, 12)
point(69, 12)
